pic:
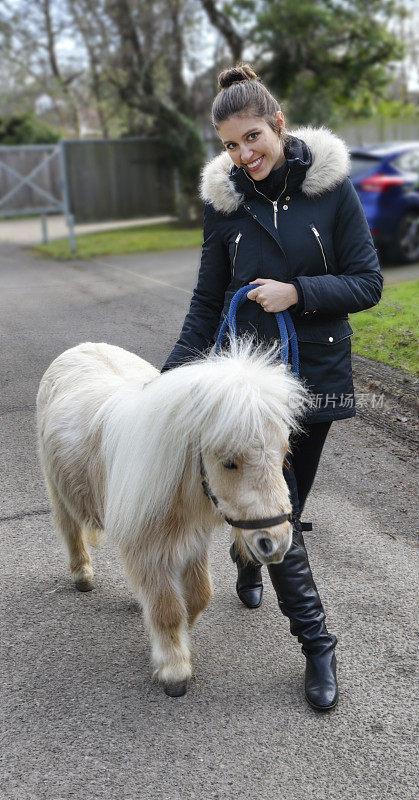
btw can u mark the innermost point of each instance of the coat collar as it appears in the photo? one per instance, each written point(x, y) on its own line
point(318, 162)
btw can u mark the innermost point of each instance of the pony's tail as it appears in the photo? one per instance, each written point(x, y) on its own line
point(94, 536)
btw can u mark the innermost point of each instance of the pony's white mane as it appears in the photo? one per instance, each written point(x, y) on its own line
point(222, 403)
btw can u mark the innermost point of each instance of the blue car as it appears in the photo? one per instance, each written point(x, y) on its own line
point(386, 177)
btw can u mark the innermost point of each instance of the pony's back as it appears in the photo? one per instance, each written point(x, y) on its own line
point(95, 368)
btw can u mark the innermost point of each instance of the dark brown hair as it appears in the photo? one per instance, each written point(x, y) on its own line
point(242, 92)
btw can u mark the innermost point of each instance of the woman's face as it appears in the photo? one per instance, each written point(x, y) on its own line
point(251, 143)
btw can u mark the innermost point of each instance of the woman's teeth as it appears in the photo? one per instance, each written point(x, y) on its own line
point(255, 164)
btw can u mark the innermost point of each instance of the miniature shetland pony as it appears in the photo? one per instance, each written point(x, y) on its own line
point(159, 462)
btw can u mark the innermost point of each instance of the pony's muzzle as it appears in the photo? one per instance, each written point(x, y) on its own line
point(271, 549)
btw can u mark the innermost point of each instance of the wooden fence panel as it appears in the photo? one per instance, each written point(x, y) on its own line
point(118, 179)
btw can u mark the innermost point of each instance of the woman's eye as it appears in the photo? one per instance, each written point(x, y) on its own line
point(230, 146)
point(252, 136)
point(229, 464)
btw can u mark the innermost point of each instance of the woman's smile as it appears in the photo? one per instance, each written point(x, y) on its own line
point(254, 165)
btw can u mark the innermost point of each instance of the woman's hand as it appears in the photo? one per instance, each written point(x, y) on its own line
point(272, 295)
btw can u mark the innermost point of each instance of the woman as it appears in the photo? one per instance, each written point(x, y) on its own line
point(281, 213)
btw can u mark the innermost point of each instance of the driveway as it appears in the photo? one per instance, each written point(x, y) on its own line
point(80, 714)
point(28, 232)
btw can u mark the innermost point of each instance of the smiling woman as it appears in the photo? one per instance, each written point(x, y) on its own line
point(257, 148)
point(252, 142)
point(281, 213)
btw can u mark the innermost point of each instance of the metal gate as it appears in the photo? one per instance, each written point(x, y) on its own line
point(32, 182)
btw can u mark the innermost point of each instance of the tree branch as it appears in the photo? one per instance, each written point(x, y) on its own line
point(222, 22)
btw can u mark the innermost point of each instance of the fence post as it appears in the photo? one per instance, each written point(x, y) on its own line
point(71, 234)
point(44, 229)
point(67, 211)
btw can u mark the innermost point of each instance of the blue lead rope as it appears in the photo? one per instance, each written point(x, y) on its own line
point(287, 334)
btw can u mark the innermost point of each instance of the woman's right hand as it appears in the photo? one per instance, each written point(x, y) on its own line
point(273, 296)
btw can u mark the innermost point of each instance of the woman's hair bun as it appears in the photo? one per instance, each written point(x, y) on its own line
point(243, 72)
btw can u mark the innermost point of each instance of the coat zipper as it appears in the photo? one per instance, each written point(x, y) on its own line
point(275, 205)
point(274, 202)
point(237, 239)
point(319, 242)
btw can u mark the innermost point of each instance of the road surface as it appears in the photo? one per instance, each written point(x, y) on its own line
point(81, 717)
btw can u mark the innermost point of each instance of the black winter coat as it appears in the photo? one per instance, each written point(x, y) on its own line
point(316, 236)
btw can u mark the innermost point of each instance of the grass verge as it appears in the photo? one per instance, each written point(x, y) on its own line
point(388, 332)
point(138, 239)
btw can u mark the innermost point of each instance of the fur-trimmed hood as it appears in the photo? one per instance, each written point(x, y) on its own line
point(327, 168)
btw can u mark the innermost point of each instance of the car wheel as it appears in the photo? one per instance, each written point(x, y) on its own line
point(406, 245)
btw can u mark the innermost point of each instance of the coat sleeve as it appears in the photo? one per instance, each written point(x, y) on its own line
point(359, 281)
point(201, 322)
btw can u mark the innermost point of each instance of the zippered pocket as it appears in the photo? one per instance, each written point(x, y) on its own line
point(319, 242)
point(236, 245)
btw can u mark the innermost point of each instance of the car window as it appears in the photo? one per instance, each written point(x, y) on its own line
point(362, 165)
point(408, 162)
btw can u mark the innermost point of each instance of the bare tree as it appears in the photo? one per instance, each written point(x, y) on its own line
point(90, 21)
point(31, 32)
point(149, 80)
point(64, 80)
point(222, 21)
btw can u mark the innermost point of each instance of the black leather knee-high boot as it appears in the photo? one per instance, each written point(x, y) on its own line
point(299, 600)
point(249, 586)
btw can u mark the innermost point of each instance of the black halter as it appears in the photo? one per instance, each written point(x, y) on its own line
point(246, 524)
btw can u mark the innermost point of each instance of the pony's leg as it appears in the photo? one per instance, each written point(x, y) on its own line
point(197, 587)
point(166, 618)
point(80, 564)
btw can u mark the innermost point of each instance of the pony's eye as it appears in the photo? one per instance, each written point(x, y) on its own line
point(229, 464)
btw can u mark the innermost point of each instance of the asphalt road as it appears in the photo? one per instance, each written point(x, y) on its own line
point(80, 715)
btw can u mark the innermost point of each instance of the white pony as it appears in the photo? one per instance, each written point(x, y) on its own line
point(147, 457)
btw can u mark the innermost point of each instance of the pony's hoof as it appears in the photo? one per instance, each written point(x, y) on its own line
point(176, 689)
point(84, 585)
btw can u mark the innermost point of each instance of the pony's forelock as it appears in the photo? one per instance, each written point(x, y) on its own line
point(245, 391)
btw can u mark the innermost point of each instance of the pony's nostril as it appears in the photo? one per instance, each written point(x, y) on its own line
point(265, 546)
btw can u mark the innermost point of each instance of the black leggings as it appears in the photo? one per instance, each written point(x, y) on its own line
point(304, 460)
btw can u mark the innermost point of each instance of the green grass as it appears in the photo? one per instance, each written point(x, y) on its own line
point(388, 332)
point(139, 239)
